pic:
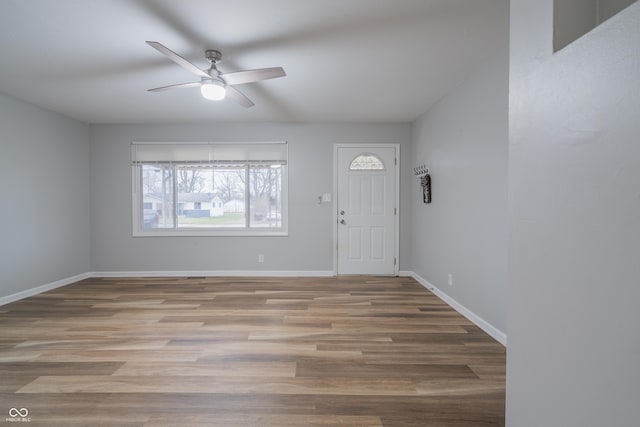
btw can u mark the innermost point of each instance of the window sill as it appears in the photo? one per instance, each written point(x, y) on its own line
point(211, 233)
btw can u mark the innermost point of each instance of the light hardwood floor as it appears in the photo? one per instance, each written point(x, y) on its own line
point(358, 351)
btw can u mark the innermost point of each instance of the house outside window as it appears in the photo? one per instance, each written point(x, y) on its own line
point(210, 189)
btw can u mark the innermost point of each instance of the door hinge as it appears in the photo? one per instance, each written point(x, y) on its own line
point(395, 261)
point(395, 211)
point(395, 161)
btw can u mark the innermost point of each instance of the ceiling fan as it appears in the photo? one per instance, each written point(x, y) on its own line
point(213, 84)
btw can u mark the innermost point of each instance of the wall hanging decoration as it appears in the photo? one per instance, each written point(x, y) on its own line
point(425, 182)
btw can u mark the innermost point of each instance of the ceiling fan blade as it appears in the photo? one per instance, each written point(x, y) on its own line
point(238, 97)
point(178, 59)
point(249, 76)
point(178, 86)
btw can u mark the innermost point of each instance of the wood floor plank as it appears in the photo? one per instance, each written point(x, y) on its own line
point(206, 404)
point(119, 356)
point(228, 369)
point(354, 351)
point(266, 420)
point(59, 368)
point(239, 385)
point(330, 368)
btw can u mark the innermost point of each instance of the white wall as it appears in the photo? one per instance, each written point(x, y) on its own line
point(463, 232)
point(44, 211)
point(309, 244)
point(574, 340)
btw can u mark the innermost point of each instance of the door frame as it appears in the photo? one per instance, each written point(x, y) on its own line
point(396, 244)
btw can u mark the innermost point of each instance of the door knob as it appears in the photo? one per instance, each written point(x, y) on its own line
point(343, 222)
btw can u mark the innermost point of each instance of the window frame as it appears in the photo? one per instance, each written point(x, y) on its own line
point(245, 231)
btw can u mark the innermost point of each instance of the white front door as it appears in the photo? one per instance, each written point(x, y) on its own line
point(366, 209)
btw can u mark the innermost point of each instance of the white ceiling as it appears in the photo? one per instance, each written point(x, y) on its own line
point(346, 60)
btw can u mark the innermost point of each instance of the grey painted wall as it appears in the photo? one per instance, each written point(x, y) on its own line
point(309, 244)
point(44, 214)
point(464, 141)
point(573, 18)
point(574, 234)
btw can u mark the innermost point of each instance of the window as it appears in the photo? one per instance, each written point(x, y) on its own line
point(366, 162)
point(209, 189)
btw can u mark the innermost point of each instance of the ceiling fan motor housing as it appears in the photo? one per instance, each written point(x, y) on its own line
point(212, 55)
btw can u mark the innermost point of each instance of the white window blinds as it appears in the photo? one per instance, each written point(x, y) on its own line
point(210, 153)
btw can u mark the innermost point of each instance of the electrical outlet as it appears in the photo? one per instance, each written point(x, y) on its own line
point(260, 257)
point(450, 279)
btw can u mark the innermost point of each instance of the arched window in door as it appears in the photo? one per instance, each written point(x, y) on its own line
point(366, 162)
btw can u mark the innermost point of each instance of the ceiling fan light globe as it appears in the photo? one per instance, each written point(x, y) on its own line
point(213, 90)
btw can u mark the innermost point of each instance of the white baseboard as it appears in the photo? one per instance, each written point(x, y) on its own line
point(40, 289)
point(494, 332)
point(215, 273)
